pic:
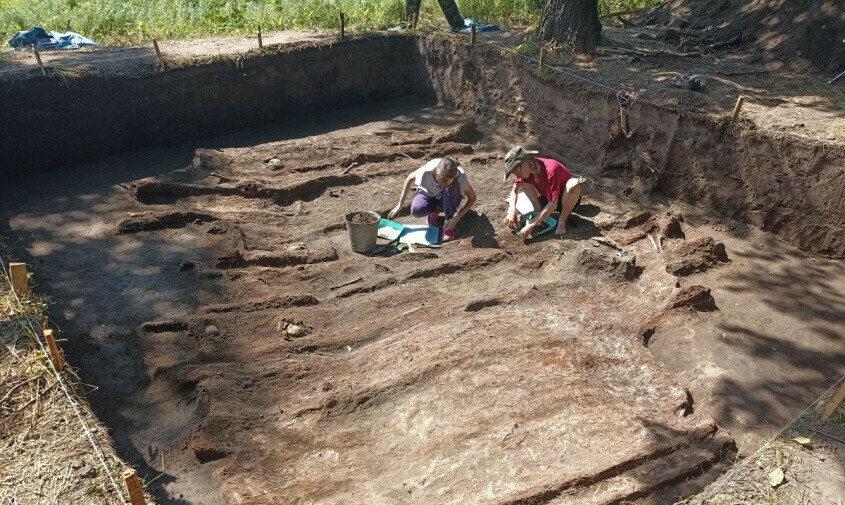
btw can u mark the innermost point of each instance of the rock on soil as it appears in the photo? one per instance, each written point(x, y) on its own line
point(697, 255)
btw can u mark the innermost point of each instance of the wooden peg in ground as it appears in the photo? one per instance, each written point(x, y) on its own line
point(55, 356)
point(133, 486)
point(158, 53)
point(623, 119)
point(260, 40)
point(473, 34)
point(17, 276)
point(38, 59)
point(834, 402)
point(740, 99)
point(540, 62)
point(342, 25)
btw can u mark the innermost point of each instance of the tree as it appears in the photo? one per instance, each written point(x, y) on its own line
point(571, 23)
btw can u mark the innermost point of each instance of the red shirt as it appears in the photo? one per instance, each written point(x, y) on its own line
point(551, 179)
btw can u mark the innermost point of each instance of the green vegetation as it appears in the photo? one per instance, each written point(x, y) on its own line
point(120, 22)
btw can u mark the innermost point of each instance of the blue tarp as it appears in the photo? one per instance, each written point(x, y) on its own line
point(52, 40)
point(479, 27)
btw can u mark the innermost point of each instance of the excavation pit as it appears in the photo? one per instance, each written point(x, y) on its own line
point(491, 370)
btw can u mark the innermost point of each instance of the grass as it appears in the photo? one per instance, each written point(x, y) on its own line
point(44, 456)
point(126, 22)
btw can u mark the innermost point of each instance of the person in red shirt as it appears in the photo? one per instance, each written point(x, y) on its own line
point(546, 182)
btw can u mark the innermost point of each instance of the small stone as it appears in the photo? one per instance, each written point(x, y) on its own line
point(186, 265)
point(281, 325)
point(274, 163)
point(295, 331)
point(212, 331)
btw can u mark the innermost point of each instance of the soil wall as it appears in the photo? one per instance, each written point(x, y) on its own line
point(792, 187)
point(53, 122)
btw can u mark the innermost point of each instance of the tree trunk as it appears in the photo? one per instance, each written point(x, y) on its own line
point(571, 23)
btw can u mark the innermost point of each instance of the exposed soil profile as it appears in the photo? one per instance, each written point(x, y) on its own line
point(243, 354)
point(281, 367)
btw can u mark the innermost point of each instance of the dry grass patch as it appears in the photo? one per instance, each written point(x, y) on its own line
point(802, 466)
point(45, 455)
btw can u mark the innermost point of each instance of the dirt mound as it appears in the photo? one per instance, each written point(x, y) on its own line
point(608, 261)
point(362, 218)
point(637, 225)
point(153, 221)
point(795, 36)
point(694, 297)
point(697, 255)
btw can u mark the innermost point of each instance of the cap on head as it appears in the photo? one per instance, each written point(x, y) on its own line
point(516, 156)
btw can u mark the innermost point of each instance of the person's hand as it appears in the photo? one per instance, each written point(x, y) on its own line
point(526, 231)
point(450, 224)
point(510, 219)
point(394, 212)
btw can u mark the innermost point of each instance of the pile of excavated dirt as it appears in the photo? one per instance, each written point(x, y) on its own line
point(246, 355)
point(795, 36)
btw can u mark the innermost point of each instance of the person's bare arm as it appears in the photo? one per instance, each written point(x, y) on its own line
point(510, 219)
point(471, 199)
point(405, 188)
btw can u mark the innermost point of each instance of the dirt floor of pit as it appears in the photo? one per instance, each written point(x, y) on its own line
point(488, 371)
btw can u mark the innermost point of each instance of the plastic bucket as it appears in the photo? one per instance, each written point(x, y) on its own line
point(362, 234)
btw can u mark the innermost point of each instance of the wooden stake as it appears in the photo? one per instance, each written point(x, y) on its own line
point(260, 41)
point(54, 350)
point(17, 276)
point(342, 25)
point(473, 31)
point(414, 22)
point(540, 63)
point(67, 28)
point(38, 59)
point(133, 485)
point(737, 107)
point(834, 402)
point(623, 120)
point(158, 53)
